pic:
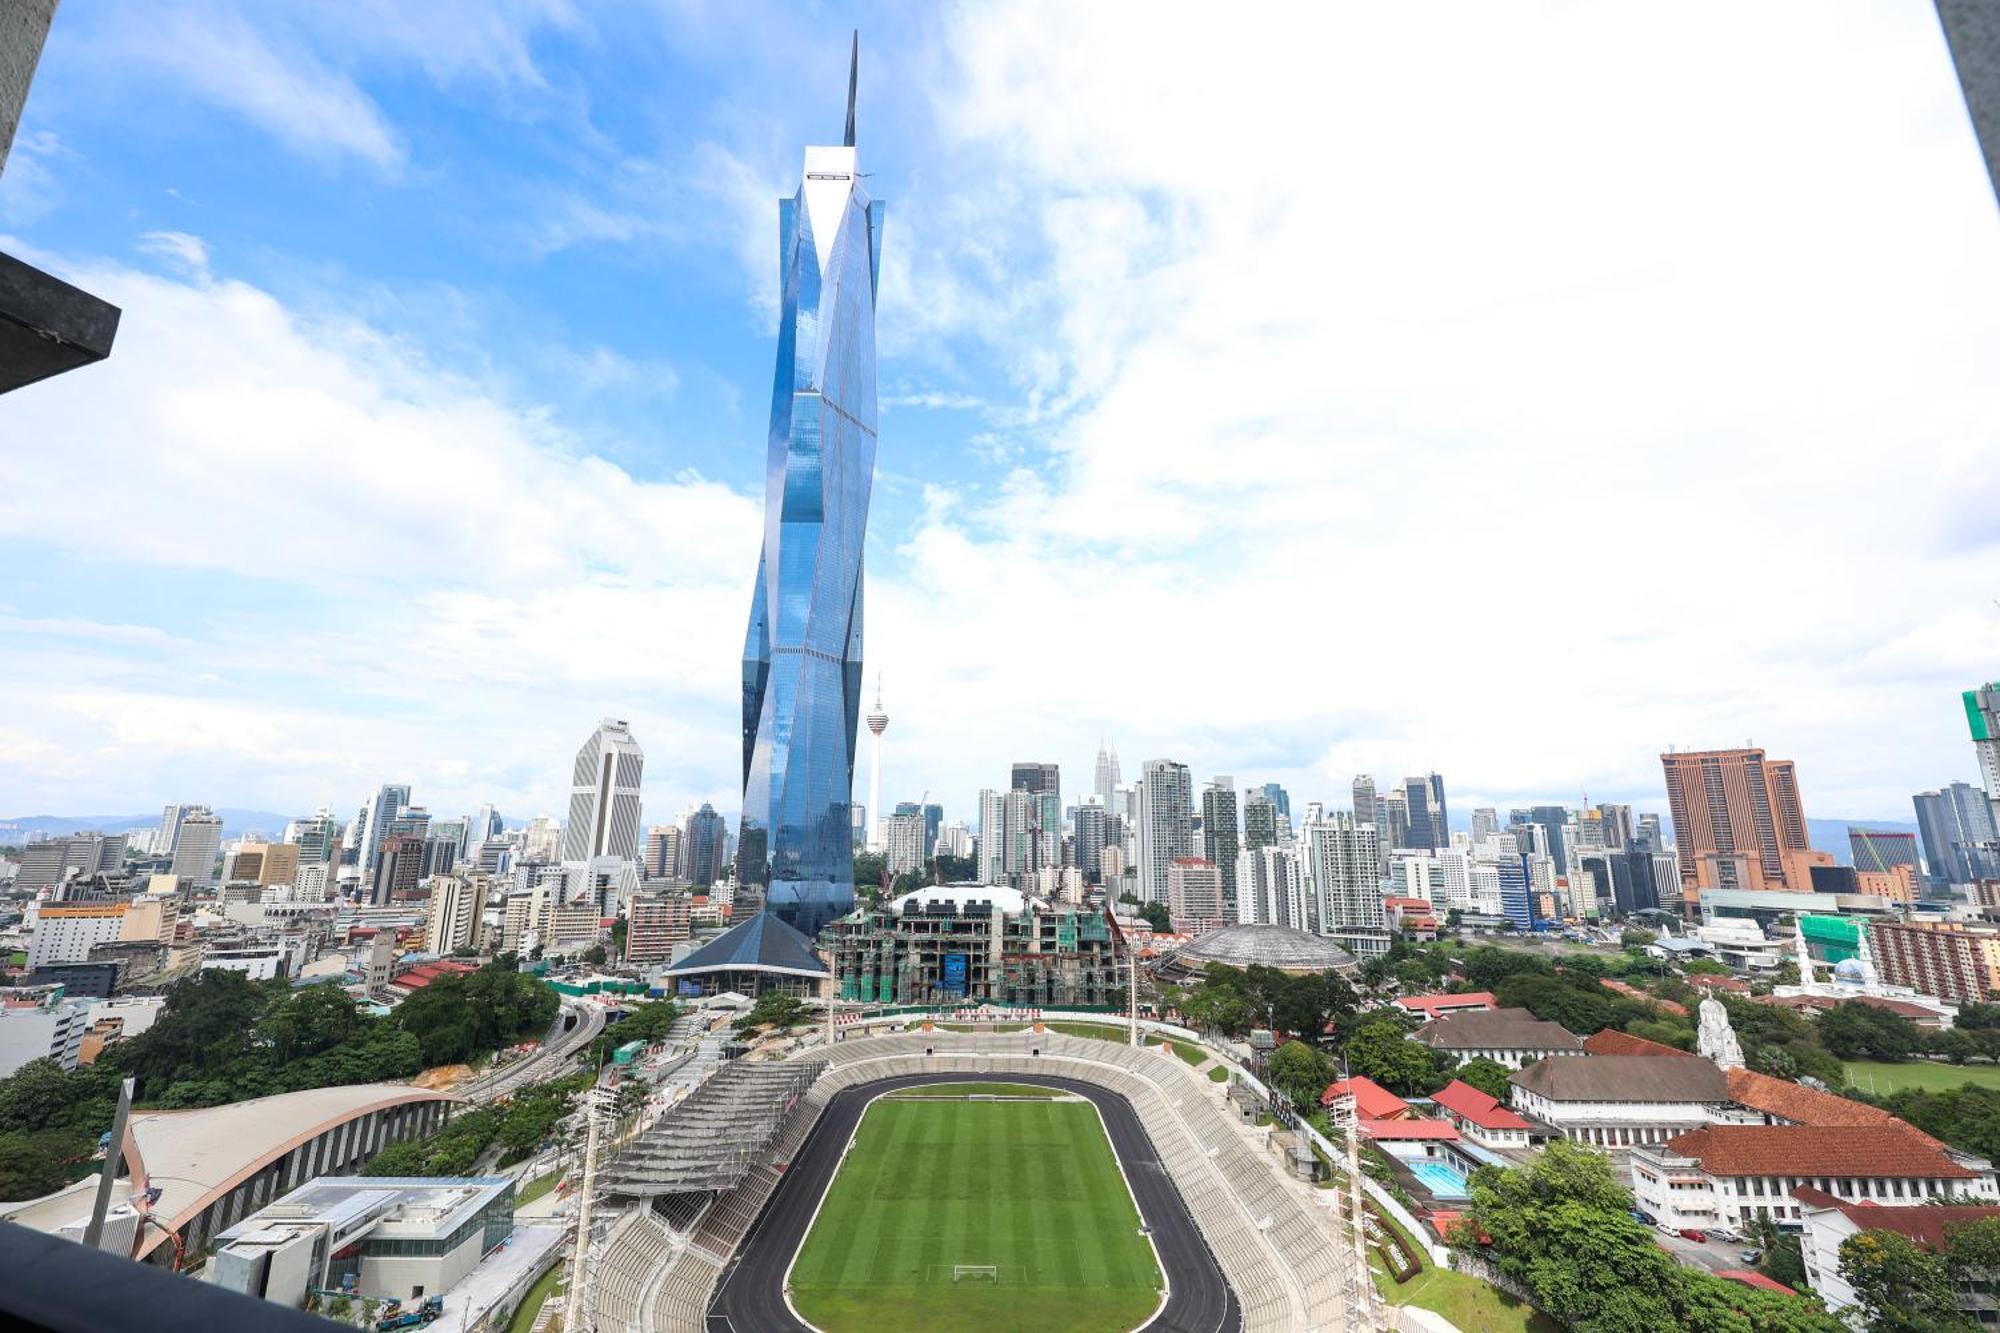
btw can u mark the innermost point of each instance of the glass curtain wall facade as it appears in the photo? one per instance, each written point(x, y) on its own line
point(802, 656)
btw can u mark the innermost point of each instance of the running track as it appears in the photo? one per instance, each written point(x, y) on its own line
point(750, 1297)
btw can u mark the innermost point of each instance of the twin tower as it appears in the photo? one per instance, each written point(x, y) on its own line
point(802, 656)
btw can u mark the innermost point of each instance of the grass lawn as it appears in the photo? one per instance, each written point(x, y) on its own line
point(537, 1187)
point(1469, 1303)
point(1878, 1077)
point(1218, 1073)
point(1101, 1031)
point(1188, 1051)
point(531, 1304)
point(1031, 1187)
point(961, 1091)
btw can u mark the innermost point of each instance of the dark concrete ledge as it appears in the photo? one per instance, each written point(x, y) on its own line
point(48, 326)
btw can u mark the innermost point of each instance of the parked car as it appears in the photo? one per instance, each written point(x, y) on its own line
point(1695, 1234)
point(1725, 1233)
point(1643, 1218)
point(1750, 1258)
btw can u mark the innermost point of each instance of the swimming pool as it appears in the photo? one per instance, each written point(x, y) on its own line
point(1439, 1179)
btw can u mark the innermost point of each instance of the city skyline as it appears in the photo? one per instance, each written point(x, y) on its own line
point(1054, 282)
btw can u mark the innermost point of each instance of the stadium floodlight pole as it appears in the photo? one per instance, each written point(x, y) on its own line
point(573, 1318)
point(1132, 987)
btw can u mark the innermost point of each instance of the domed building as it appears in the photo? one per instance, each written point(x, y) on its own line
point(1281, 947)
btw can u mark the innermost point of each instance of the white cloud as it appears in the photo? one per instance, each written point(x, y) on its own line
point(188, 254)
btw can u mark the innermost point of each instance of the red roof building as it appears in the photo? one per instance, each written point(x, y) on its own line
point(1632, 992)
point(1481, 1118)
point(1613, 1042)
point(1783, 1102)
point(1828, 1220)
point(1372, 1101)
point(1751, 1278)
point(1733, 985)
point(1432, 1006)
point(1406, 1131)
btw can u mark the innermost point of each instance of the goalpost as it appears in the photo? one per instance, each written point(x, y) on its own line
point(976, 1272)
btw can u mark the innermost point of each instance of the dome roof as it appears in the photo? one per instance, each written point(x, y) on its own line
point(1266, 946)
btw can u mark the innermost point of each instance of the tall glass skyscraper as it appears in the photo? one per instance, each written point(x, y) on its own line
point(802, 657)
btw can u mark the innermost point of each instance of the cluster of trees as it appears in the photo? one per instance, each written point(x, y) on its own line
point(1966, 1117)
point(519, 1126)
point(221, 1037)
point(773, 1010)
point(1234, 1000)
point(1561, 1226)
point(644, 1022)
point(1905, 1288)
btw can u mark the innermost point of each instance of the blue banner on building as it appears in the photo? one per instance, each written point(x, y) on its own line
point(954, 973)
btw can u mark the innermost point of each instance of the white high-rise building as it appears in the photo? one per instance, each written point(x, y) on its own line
point(1269, 889)
point(1343, 864)
point(457, 904)
point(198, 846)
point(1165, 820)
point(170, 828)
point(954, 840)
point(371, 825)
point(904, 850)
point(992, 836)
point(541, 839)
point(604, 796)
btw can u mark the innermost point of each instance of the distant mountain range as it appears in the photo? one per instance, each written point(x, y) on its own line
point(235, 823)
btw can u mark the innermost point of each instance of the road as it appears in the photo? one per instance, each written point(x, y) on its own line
point(557, 1047)
point(751, 1293)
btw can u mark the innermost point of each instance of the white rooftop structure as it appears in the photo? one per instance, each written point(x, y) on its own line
point(961, 896)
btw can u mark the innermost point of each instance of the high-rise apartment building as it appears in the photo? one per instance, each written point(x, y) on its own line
point(655, 924)
point(802, 654)
point(1485, 823)
point(992, 837)
point(1220, 837)
point(317, 837)
point(1165, 824)
point(1260, 820)
point(198, 846)
point(1961, 845)
point(604, 795)
point(1982, 715)
point(458, 902)
point(170, 827)
point(1950, 960)
point(1091, 828)
point(1280, 798)
point(399, 867)
point(1343, 871)
point(1194, 895)
point(903, 844)
point(1269, 888)
point(1392, 821)
point(1738, 821)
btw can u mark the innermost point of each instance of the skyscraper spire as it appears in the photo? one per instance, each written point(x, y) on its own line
point(853, 78)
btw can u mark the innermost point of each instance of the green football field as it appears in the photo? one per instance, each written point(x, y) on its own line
point(1030, 1187)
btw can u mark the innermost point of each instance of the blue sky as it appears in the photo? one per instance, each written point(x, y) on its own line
point(1512, 395)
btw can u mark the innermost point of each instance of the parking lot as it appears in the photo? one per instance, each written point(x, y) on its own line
point(1713, 1255)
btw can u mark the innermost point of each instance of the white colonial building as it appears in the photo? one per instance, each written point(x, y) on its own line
point(1512, 1037)
point(1621, 1101)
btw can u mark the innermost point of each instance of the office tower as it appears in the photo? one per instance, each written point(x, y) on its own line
point(1364, 799)
point(1517, 899)
point(170, 827)
point(1648, 837)
point(1280, 798)
point(457, 904)
point(542, 839)
point(1616, 823)
point(1091, 825)
point(702, 840)
point(198, 845)
point(1037, 777)
point(1343, 868)
point(1485, 823)
point(1878, 850)
point(903, 844)
point(1738, 821)
point(399, 868)
point(878, 722)
point(1269, 889)
point(663, 852)
point(1220, 838)
point(1107, 777)
point(1165, 824)
point(482, 827)
point(371, 825)
point(802, 654)
point(1552, 820)
point(49, 862)
point(933, 814)
point(1392, 820)
point(1043, 783)
point(264, 863)
point(655, 923)
point(1423, 799)
point(1959, 834)
point(1194, 895)
point(604, 795)
point(412, 820)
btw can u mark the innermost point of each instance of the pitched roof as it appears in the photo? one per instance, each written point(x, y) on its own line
point(1464, 1100)
point(1436, 1004)
point(1624, 1078)
point(1496, 1030)
point(1709, 981)
point(1863, 1151)
point(761, 942)
point(1613, 1042)
point(1923, 1223)
point(1394, 1130)
point(1750, 1278)
point(1802, 1105)
point(1371, 1100)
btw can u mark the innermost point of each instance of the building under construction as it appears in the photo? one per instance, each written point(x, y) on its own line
point(979, 943)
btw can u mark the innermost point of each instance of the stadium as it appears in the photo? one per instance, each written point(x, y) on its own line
point(941, 1181)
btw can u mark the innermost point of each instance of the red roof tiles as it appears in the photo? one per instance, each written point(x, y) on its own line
point(1866, 1152)
point(1469, 1103)
point(1397, 1130)
point(1750, 1278)
point(1371, 1099)
point(1613, 1042)
point(1923, 1223)
point(1430, 1006)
